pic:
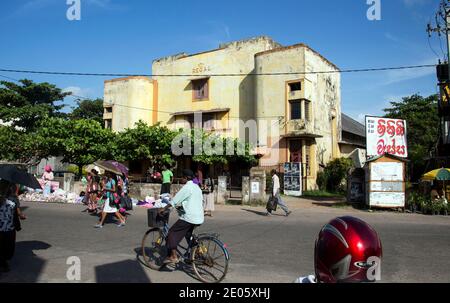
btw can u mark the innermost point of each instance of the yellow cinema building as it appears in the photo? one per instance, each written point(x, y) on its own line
point(240, 84)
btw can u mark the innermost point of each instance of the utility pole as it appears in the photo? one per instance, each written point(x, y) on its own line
point(442, 27)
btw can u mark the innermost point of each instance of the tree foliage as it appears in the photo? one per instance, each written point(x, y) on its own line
point(144, 142)
point(80, 142)
point(333, 175)
point(422, 120)
point(14, 145)
point(25, 104)
point(88, 109)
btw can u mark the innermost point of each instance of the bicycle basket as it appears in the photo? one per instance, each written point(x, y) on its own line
point(155, 219)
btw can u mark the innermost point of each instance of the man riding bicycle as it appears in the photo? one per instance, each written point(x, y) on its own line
point(190, 199)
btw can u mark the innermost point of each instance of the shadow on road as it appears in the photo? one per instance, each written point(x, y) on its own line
point(26, 266)
point(262, 213)
point(128, 271)
point(186, 268)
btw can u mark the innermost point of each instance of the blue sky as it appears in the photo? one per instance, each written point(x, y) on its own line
point(119, 36)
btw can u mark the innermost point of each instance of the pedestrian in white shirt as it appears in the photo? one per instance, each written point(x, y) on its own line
point(276, 194)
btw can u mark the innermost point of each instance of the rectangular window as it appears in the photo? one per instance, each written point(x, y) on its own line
point(307, 110)
point(296, 86)
point(108, 110)
point(296, 112)
point(200, 89)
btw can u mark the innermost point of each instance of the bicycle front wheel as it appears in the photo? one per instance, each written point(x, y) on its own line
point(154, 249)
point(210, 260)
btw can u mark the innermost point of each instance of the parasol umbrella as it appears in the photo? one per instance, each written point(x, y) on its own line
point(98, 169)
point(442, 174)
point(105, 165)
point(120, 166)
point(15, 175)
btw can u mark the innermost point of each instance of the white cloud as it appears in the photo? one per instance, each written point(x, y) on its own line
point(401, 75)
point(391, 37)
point(29, 6)
point(78, 91)
point(32, 6)
point(219, 33)
point(105, 4)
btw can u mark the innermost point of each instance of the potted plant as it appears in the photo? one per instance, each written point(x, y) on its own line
point(425, 206)
point(438, 206)
point(412, 202)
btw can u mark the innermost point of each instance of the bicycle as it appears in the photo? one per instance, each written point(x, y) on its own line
point(200, 252)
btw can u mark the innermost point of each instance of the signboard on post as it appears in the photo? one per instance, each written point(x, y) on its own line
point(293, 179)
point(386, 136)
point(386, 182)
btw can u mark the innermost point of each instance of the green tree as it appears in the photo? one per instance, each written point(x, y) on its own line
point(422, 120)
point(334, 173)
point(25, 104)
point(144, 142)
point(217, 149)
point(14, 145)
point(80, 142)
point(88, 109)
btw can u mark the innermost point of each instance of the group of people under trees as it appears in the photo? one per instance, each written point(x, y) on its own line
point(105, 195)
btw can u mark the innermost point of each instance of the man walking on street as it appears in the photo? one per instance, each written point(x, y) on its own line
point(167, 178)
point(276, 194)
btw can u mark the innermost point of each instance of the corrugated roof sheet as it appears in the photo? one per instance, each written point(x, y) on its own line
point(352, 126)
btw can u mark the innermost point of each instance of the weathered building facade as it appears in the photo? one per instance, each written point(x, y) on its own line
point(236, 87)
point(128, 100)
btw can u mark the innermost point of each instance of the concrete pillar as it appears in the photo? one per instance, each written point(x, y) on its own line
point(257, 186)
point(222, 193)
point(245, 190)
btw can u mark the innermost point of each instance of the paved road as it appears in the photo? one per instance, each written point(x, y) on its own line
point(263, 249)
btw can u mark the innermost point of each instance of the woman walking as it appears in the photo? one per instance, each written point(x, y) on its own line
point(9, 224)
point(208, 196)
point(94, 186)
point(110, 207)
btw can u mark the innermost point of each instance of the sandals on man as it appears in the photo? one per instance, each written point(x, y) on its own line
point(171, 261)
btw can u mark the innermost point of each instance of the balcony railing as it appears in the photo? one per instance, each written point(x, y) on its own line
point(300, 126)
point(296, 94)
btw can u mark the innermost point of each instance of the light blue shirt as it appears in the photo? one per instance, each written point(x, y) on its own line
point(191, 198)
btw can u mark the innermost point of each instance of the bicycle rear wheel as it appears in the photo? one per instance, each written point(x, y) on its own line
point(154, 249)
point(210, 260)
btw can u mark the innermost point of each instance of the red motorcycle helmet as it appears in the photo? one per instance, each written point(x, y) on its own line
point(347, 250)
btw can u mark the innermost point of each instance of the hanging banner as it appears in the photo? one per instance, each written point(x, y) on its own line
point(385, 135)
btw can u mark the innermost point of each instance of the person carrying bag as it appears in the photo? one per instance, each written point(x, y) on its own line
point(271, 204)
